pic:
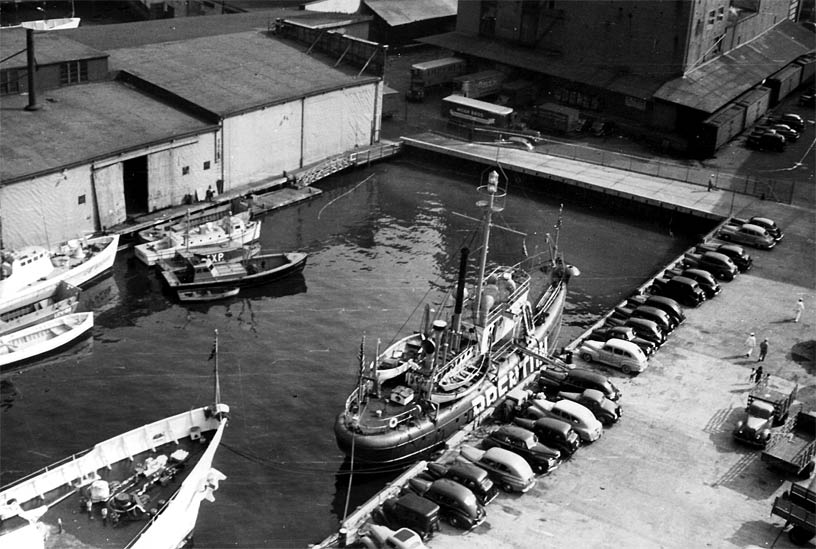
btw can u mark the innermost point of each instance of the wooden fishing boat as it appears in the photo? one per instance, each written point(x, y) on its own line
point(204, 277)
point(428, 385)
point(141, 489)
point(36, 269)
point(207, 294)
point(43, 338)
point(35, 307)
point(231, 231)
point(219, 252)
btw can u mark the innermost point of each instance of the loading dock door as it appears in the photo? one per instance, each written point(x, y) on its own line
point(110, 195)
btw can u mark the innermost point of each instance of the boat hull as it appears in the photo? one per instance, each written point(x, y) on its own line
point(152, 252)
point(39, 307)
point(43, 338)
point(285, 265)
point(67, 269)
point(420, 438)
point(62, 490)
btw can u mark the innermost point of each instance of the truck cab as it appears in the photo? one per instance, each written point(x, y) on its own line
point(768, 404)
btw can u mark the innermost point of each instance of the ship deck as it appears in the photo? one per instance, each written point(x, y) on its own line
point(68, 523)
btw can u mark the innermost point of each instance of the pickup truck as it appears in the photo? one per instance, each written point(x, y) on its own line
point(747, 234)
point(736, 253)
point(793, 447)
point(798, 507)
point(769, 402)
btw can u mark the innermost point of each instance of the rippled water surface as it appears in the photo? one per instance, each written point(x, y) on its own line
point(289, 351)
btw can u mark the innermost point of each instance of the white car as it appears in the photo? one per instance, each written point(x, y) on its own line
point(384, 537)
point(616, 353)
point(579, 417)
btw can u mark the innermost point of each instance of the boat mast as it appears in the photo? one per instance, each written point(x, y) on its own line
point(492, 189)
point(217, 382)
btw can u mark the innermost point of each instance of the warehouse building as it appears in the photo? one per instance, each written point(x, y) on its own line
point(168, 121)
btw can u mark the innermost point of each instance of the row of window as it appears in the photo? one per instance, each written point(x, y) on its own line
point(73, 72)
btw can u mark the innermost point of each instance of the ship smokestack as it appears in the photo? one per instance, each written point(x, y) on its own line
point(30, 63)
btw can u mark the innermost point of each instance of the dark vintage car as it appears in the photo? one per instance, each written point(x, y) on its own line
point(409, 511)
point(458, 506)
point(553, 432)
point(684, 290)
point(541, 458)
point(468, 475)
point(647, 329)
point(715, 263)
point(665, 304)
point(736, 253)
point(578, 379)
point(666, 322)
point(764, 222)
point(703, 279)
point(605, 333)
point(507, 469)
point(606, 411)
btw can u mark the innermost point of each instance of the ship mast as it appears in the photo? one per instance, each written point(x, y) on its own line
point(489, 206)
point(217, 381)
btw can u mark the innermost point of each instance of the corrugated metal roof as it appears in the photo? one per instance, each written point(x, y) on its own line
point(720, 81)
point(49, 48)
point(82, 123)
point(232, 73)
point(403, 12)
point(516, 56)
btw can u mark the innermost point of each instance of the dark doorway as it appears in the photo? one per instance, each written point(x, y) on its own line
point(134, 177)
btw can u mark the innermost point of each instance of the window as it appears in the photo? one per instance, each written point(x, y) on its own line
point(185, 170)
point(81, 199)
point(207, 165)
point(9, 82)
point(720, 14)
point(711, 16)
point(73, 72)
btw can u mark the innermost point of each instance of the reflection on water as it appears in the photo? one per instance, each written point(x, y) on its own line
point(289, 353)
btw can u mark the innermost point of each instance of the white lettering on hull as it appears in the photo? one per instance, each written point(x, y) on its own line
point(503, 384)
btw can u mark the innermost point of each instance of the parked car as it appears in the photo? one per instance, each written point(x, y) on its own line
point(579, 417)
point(747, 234)
point(735, 253)
point(680, 288)
point(457, 505)
point(664, 320)
point(646, 329)
point(764, 222)
point(383, 537)
point(715, 263)
point(605, 411)
point(553, 432)
point(703, 279)
point(786, 131)
point(790, 119)
point(617, 353)
point(468, 475)
point(507, 469)
point(665, 304)
point(541, 458)
point(763, 141)
point(578, 379)
point(409, 511)
point(605, 333)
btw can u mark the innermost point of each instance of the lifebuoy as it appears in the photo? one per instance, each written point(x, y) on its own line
point(392, 423)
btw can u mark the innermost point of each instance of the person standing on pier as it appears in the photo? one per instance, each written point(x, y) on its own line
point(800, 308)
point(750, 343)
point(763, 350)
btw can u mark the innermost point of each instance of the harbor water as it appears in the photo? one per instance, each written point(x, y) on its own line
point(380, 241)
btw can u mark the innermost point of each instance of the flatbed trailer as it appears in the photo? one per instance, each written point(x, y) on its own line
point(798, 507)
point(793, 447)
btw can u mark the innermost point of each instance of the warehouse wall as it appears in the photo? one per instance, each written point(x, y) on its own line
point(338, 121)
